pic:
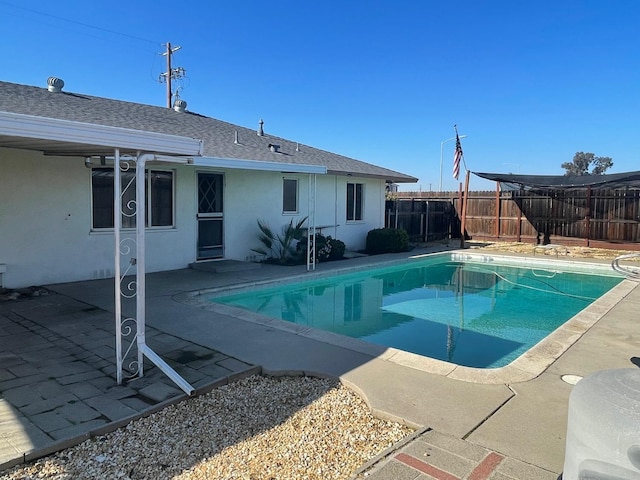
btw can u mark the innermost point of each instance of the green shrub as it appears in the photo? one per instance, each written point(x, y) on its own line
point(387, 240)
point(337, 248)
point(327, 248)
point(280, 248)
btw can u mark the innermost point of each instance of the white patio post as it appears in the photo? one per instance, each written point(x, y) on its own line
point(117, 221)
point(311, 219)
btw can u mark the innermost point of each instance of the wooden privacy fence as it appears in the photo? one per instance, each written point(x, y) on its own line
point(604, 217)
point(424, 220)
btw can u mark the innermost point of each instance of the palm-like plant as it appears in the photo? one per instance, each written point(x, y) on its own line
point(280, 248)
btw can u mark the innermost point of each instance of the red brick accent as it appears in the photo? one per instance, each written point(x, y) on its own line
point(486, 467)
point(425, 467)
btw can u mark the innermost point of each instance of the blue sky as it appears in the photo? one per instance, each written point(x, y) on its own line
point(529, 83)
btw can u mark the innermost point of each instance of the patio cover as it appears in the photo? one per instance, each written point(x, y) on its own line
point(563, 182)
point(132, 148)
point(85, 140)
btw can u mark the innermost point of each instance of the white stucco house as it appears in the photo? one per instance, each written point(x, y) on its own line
point(207, 182)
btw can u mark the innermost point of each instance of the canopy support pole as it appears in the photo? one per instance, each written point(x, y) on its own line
point(588, 217)
point(497, 229)
point(311, 219)
point(463, 220)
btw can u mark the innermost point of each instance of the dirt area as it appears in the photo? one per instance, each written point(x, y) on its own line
point(8, 294)
point(560, 251)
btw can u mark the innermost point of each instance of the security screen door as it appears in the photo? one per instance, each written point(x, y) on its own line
point(210, 216)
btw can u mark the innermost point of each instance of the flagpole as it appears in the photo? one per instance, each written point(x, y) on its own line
point(458, 158)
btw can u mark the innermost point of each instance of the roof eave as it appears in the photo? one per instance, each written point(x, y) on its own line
point(393, 178)
point(246, 164)
point(21, 126)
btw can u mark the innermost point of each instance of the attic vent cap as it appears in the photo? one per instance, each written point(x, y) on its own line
point(180, 105)
point(274, 148)
point(55, 84)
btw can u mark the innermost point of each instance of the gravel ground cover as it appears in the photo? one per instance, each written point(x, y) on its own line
point(256, 428)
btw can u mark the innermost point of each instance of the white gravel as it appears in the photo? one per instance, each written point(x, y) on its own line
point(257, 428)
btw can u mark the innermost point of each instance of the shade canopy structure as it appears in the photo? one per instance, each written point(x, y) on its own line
point(510, 182)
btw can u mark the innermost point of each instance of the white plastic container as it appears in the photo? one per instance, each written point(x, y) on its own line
point(603, 428)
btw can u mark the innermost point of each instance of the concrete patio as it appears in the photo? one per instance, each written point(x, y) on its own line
point(57, 377)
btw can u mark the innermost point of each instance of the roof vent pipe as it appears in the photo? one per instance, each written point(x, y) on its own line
point(260, 129)
point(180, 106)
point(235, 137)
point(55, 84)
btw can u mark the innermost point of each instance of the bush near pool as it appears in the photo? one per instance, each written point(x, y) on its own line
point(387, 240)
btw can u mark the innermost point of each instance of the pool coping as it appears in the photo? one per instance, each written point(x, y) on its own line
point(526, 367)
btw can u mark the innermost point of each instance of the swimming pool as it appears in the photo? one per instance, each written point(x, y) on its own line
point(474, 313)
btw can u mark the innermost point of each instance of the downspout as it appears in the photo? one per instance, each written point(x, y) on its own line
point(141, 270)
point(140, 264)
point(143, 348)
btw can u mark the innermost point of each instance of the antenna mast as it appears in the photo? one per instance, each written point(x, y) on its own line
point(171, 73)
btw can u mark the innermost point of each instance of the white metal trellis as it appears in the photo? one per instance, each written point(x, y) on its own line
point(133, 340)
point(311, 220)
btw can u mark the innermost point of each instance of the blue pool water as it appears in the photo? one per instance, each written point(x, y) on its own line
point(480, 315)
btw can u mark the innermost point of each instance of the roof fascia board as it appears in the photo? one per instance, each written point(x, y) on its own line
point(241, 164)
point(392, 178)
point(44, 128)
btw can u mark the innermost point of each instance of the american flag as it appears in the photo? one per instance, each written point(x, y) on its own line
point(457, 156)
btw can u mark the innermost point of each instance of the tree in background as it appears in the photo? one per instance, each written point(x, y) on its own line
point(583, 161)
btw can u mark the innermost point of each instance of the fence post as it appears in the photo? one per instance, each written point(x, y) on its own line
point(396, 222)
point(465, 201)
point(460, 202)
point(587, 218)
point(497, 229)
point(426, 222)
point(519, 226)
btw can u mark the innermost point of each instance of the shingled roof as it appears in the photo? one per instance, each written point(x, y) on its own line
point(218, 137)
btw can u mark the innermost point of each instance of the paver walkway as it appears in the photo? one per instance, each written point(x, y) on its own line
point(434, 455)
point(57, 370)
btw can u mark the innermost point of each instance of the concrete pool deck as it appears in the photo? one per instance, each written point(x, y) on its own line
point(515, 426)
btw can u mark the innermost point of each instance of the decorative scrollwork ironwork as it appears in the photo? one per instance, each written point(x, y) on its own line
point(128, 201)
point(129, 333)
point(132, 369)
point(127, 246)
point(127, 343)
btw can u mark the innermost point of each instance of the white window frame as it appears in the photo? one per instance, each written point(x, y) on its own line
point(285, 180)
point(148, 201)
point(355, 218)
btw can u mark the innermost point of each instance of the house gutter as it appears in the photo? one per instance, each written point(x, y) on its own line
point(242, 164)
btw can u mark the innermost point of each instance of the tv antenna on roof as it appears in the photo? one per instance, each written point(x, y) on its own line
point(171, 73)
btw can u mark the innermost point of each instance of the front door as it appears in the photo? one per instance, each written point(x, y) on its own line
point(210, 216)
